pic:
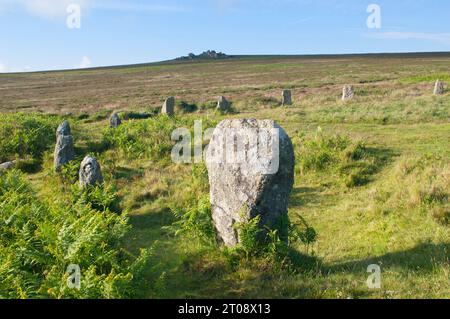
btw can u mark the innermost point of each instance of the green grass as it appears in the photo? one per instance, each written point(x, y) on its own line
point(426, 78)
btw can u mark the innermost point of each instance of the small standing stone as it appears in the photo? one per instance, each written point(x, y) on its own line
point(7, 166)
point(439, 88)
point(64, 149)
point(115, 121)
point(286, 97)
point(223, 104)
point(348, 93)
point(169, 107)
point(90, 172)
point(64, 129)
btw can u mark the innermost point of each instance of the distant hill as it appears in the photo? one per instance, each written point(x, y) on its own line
point(212, 55)
point(206, 55)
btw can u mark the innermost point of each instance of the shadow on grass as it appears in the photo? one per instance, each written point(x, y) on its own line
point(210, 274)
point(152, 220)
point(206, 278)
point(127, 173)
point(148, 233)
point(423, 257)
point(182, 270)
point(362, 171)
point(147, 229)
point(304, 263)
point(311, 195)
point(353, 173)
point(382, 157)
point(96, 146)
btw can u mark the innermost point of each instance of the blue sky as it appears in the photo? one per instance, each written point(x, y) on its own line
point(35, 35)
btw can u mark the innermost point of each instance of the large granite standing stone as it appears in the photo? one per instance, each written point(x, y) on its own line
point(64, 150)
point(114, 121)
point(223, 104)
point(169, 107)
point(348, 93)
point(257, 181)
point(286, 97)
point(439, 88)
point(90, 172)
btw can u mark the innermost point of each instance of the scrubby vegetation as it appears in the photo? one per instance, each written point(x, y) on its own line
point(39, 240)
point(149, 139)
point(352, 161)
point(25, 135)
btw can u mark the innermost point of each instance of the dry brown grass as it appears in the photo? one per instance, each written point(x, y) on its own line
point(137, 88)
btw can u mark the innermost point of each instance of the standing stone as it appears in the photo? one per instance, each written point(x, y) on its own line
point(114, 121)
point(348, 93)
point(7, 166)
point(223, 104)
point(439, 88)
point(90, 172)
point(64, 129)
point(169, 107)
point(64, 150)
point(286, 97)
point(256, 183)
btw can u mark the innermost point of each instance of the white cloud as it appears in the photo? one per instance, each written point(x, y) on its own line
point(443, 38)
point(85, 63)
point(24, 69)
point(43, 8)
point(51, 8)
point(58, 8)
point(3, 68)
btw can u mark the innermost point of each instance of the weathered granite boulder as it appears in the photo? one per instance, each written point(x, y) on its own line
point(63, 129)
point(286, 97)
point(348, 93)
point(64, 149)
point(7, 166)
point(90, 172)
point(169, 107)
point(114, 121)
point(251, 173)
point(223, 104)
point(439, 88)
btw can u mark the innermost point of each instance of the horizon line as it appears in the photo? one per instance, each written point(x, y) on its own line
point(231, 56)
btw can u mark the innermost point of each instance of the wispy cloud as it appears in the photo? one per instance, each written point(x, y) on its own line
point(85, 63)
point(442, 38)
point(58, 8)
point(43, 8)
point(3, 68)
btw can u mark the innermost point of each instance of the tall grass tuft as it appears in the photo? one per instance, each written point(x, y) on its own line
point(351, 161)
